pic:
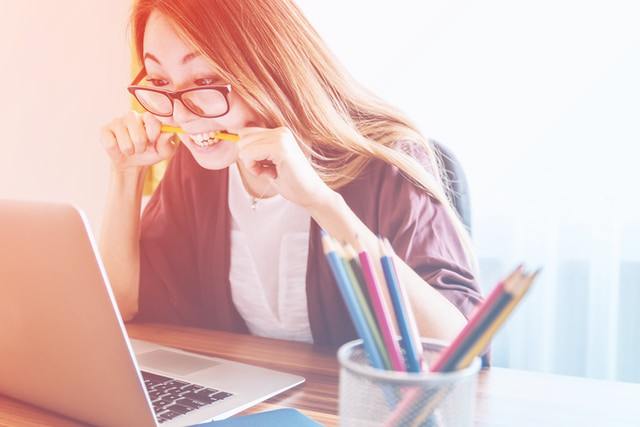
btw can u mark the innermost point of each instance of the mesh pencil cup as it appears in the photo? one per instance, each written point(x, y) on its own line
point(374, 397)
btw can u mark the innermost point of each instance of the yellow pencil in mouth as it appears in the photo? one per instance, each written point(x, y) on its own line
point(223, 135)
point(227, 136)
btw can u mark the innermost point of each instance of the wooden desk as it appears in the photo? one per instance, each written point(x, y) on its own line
point(506, 397)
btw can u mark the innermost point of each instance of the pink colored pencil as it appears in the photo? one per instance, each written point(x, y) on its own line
point(473, 322)
point(412, 397)
point(381, 311)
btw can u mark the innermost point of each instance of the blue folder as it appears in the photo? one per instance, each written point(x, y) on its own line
point(277, 418)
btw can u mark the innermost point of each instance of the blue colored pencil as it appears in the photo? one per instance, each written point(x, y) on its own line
point(404, 318)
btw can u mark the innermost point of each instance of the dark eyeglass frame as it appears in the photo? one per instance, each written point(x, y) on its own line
point(225, 90)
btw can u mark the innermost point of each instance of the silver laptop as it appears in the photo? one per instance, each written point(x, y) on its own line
point(63, 345)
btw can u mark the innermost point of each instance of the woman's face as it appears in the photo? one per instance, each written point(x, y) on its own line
point(173, 65)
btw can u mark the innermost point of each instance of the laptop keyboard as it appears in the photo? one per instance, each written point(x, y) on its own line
point(171, 397)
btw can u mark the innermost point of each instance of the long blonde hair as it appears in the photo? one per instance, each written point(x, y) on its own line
point(280, 66)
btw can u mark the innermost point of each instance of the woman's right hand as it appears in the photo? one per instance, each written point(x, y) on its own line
point(135, 141)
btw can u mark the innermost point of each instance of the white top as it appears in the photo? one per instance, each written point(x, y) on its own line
point(269, 249)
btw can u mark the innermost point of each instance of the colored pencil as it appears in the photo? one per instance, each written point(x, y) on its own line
point(352, 257)
point(516, 285)
point(483, 340)
point(404, 316)
point(413, 325)
point(506, 295)
point(351, 302)
point(381, 310)
point(226, 136)
point(478, 315)
point(364, 306)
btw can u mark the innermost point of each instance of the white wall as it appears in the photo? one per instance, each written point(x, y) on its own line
point(553, 83)
point(540, 100)
point(64, 67)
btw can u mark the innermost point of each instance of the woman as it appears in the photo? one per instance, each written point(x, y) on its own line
point(230, 239)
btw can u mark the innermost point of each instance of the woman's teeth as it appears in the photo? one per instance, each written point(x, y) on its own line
point(204, 139)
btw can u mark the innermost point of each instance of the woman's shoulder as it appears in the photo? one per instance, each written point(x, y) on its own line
point(417, 151)
point(382, 192)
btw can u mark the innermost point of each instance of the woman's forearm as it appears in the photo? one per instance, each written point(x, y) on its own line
point(120, 238)
point(436, 316)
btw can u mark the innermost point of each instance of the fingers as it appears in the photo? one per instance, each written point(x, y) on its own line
point(137, 132)
point(161, 141)
point(257, 148)
point(259, 158)
point(165, 147)
point(263, 151)
point(249, 135)
point(246, 131)
point(152, 126)
point(110, 144)
point(257, 151)
point(131, 141)
point(264, 167)
point(266, 144)
point(122, 136)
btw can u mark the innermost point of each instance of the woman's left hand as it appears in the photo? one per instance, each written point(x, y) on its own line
point(276, 154)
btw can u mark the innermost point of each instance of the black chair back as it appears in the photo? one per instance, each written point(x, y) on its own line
point(458, 189)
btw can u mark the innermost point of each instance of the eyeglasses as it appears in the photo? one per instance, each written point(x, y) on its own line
point(204, 101)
